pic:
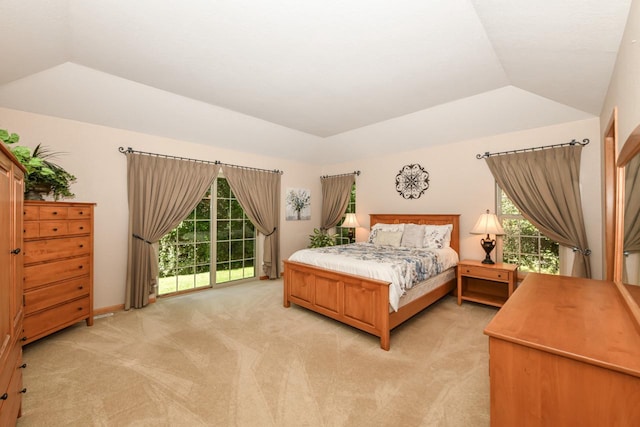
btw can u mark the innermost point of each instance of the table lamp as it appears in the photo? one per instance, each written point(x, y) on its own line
point(351, 223)
point(488, 223)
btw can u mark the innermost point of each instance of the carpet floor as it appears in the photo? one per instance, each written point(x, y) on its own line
point(236, 357)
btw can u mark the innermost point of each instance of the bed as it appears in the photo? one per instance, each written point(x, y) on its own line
point(363, 302)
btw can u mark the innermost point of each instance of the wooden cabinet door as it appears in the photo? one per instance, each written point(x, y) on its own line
point(6, 327)
point(17, 251)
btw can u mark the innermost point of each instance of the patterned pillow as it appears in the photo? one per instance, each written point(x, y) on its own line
point(413, 236)
point(437, 236)
point(384, 227)
point(388, 238)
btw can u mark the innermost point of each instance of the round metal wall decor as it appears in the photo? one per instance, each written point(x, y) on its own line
point(412, 181)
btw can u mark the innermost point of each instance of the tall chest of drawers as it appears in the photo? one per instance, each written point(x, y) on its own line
point(58, 266)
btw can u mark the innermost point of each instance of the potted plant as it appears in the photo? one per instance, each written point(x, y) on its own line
point(320, 239)
point(43, 177)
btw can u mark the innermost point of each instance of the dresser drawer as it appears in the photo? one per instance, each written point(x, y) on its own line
point(486, 273)
point(31, 213)
point(55, 318)
point(50, 272)
point(77, 212)
point(41, 298)
point(53, 228)
point(53, 212)
point(31, 230)
point(50, 249)
point(79, 227)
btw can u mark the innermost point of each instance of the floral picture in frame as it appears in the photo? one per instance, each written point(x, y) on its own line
point(298, 204)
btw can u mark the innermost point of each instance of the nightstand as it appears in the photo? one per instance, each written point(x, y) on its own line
point(490, 284)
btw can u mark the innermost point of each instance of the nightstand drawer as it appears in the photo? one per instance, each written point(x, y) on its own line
point(486, 273)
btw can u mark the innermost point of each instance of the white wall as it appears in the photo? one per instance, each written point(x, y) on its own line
point(459, 183)
point(624, 87)
point(91, 154)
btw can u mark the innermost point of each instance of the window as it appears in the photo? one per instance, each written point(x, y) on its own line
point(343, 233)
point(185, 253)
point(522, 243)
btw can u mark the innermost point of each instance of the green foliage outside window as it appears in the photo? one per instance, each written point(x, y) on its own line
point(523, 244)
point(185, 253)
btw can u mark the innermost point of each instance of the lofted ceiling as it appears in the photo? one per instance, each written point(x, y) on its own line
point(327, 72)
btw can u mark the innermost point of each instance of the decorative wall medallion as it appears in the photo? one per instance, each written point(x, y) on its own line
point(412, 181)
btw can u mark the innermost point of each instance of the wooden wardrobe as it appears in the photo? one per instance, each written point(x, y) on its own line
point(11, 199)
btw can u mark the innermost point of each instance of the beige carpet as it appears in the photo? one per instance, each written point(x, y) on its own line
point(237, 357)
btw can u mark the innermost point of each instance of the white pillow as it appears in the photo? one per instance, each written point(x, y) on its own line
point(385, 227)
point(388, 238)
point(437, 236)
point(413, 236)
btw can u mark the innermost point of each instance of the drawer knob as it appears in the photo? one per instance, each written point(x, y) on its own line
point(81, 228)
point(468, 271)
point(55, 229)
point(24, 390)
point(81, 267)
point(23, 339)
point(16, 251)
point(82, 246)
point(24, 365)
point(499, 275)
point(55, 212)
point(79, 308)
point(80, 287)
point(81, 212)
point(4, 396)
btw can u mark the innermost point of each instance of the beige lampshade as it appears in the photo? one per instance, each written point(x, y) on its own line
point(350, 221)
point(488, 223)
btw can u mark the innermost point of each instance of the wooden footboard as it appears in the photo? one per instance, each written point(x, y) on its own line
point(359, 301)
point(356, 301)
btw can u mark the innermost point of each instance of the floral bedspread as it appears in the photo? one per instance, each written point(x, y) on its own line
point(401, 267)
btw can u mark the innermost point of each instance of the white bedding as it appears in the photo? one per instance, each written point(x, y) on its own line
point(401, 267)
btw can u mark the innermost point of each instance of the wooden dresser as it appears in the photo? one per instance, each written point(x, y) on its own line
point(58, 266)
point(11, 310)
point(564, 351)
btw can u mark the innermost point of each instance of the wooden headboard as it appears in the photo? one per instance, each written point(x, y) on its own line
point(435, 219)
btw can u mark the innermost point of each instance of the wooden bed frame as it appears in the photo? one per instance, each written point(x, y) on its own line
point(359, 301)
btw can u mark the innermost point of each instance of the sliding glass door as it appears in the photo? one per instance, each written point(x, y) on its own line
point(215, 244)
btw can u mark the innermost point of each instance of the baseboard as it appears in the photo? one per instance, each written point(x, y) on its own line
point(105, 310)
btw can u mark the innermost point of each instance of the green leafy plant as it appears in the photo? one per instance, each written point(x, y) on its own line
point(321, 238)
point(43, 176)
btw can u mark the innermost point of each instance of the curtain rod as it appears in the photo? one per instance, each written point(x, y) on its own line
point(522, 150)
point(357, 173)
point(130, 150)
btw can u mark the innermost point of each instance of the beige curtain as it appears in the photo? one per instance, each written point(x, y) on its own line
point(258, 192)
point(162, 192)
point(545, 186)
point(336, 191)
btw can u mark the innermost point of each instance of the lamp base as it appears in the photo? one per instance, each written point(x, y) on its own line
point(351, 236)
point(488, 245)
